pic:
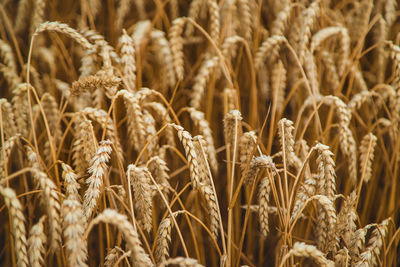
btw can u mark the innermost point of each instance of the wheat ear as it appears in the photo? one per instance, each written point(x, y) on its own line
point(4, 158)
point(164, 56)
point(50, 198)
point(367, 149)
point(176, 42)
point(205, 130)
point(101, 117)
point(187, 142)
point(85, 145)
point(98, 169)
point(256, 164)
point(164, 238)
point(301, 249)
point(181, 262)
point(139, 256)
point(74, 225)
point(263, 200)
point(36, 242)
point(140, 178)
point(128, 60)
point(268, 49)
point(18, 225)
point(65, 29)
point(347, 217)
point(375, 244)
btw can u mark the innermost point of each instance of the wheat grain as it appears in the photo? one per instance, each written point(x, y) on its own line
point(38, 14)
point(285, 131)
point(159, 169)
point(136, 123)
point(122, 11)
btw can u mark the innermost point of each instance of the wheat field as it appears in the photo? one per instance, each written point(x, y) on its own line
point(200, 133)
